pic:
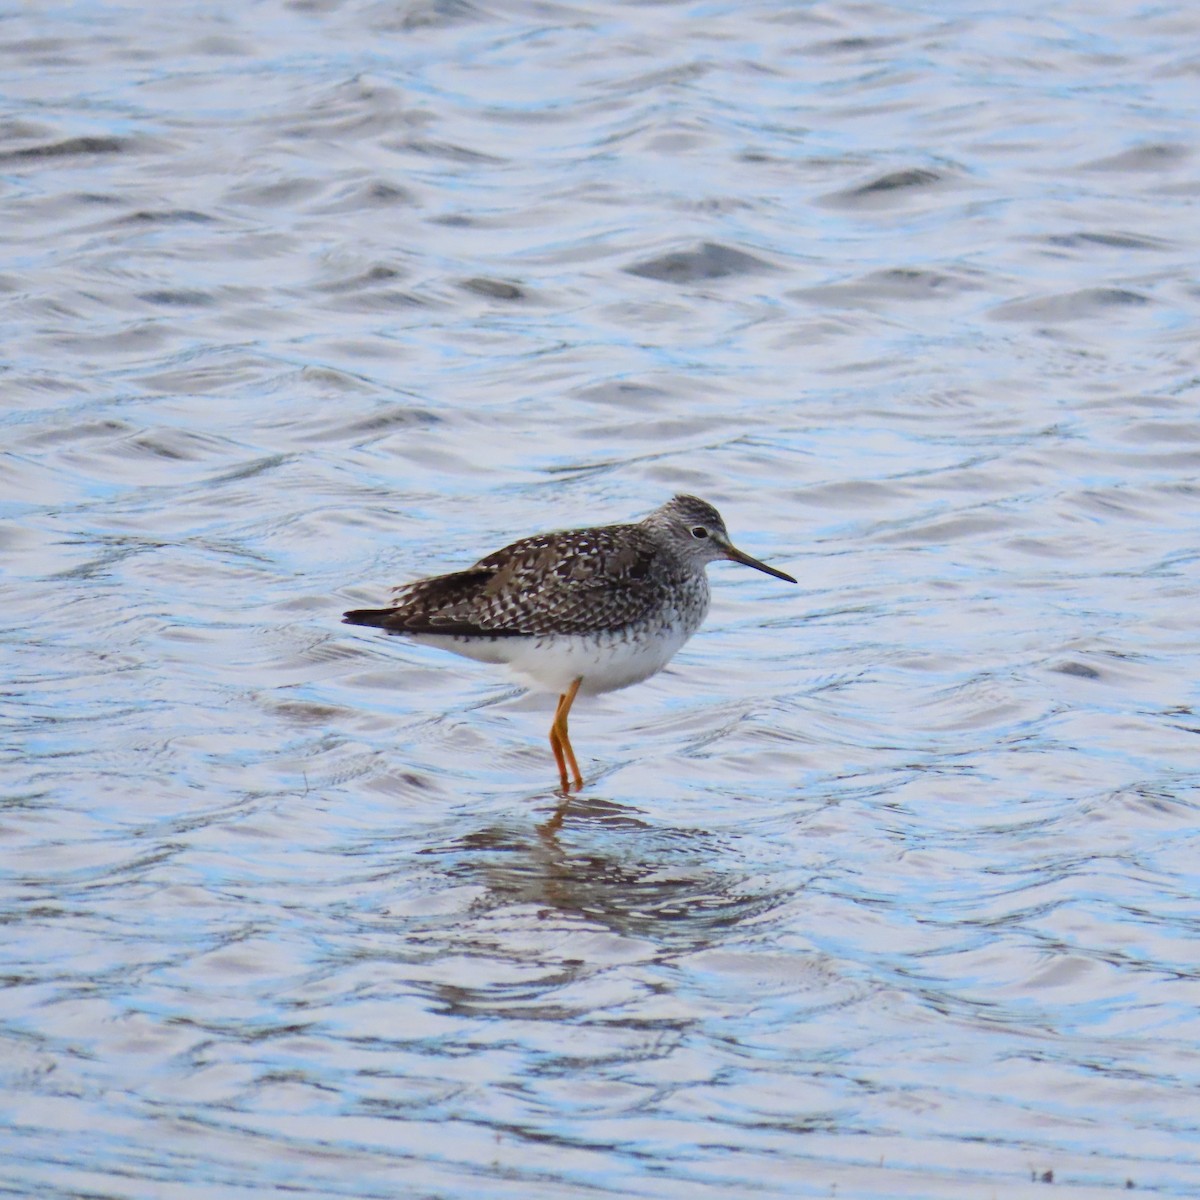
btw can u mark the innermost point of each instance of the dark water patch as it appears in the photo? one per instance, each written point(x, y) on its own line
point(1155, 156)
point(133, 338)
point(44, 52)
point(899, 284)
point(301, 712)
point(388, 419)
point(403, 785)
point(371, 291)
point(1071, 306)
point(98, 198)
point(1164, 433)
point(447, 152)
point(625, 393)
point(662, 77)
point(1114, 503)
point(280, 192)
point(1155, 803)
point(380, 273)
point(678, 432)
point(942, 530)
point(384, 193)
point(760, 157)
point(494, 289)
point(1077, 669)
point(68, 147)
point(206, 373)
point(167, 216)
point(378, 300)
point(358, 108)
point(1086, 239)
point(863, 495)
point(179, 445)
point(219, 46)
point(251, 469)
point(423, 15)
point(851, 45)
point(178, 298)
point(140, 218)
point(892, 187)
point(709, 260)
point(328, 379)
point(369, 194)
point(77, 430)
point(22, 129)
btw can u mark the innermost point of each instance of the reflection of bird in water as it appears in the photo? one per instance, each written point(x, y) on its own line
point(677, 886)
point(584, 610)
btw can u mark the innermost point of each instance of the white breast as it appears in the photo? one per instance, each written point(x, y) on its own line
point(605, 662)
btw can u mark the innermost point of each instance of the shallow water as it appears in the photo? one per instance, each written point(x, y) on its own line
point(887, 887)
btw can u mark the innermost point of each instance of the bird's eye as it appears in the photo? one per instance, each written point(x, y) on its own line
point(699, 531)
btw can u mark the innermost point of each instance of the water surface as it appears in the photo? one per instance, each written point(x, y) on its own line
point(887, 887)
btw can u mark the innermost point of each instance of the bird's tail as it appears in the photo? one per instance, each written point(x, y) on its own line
point(376, 617)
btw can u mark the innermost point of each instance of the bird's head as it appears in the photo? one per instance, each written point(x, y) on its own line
point(695, 531)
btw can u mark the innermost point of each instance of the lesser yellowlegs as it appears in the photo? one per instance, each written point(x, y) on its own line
point(579, 611)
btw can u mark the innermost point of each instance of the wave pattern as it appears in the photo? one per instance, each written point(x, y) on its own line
point(887, 887)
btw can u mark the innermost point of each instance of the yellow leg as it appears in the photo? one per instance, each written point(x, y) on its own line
point(556, 746)
point(560, 739)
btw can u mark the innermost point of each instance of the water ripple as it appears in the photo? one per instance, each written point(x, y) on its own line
point(885, 887)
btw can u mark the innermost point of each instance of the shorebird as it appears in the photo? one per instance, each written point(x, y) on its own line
point(577, 611)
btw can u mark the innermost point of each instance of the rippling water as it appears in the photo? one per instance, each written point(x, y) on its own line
point(888, 887)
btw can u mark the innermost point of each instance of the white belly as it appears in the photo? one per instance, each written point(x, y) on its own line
point(605, 662)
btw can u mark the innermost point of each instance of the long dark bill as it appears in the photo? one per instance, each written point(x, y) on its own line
point(736, 555)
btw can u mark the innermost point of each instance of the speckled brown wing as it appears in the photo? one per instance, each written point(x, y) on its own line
point(418, 605)
point(578, 581)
